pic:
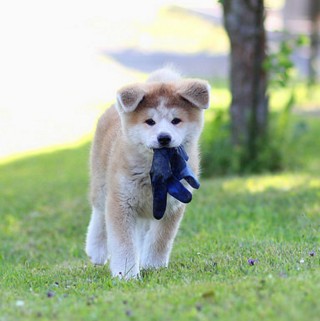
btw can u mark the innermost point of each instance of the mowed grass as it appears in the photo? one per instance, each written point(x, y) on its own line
point(273, 219)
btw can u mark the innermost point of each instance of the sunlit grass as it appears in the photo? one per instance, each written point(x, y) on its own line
point(281, 182)
point(306, 97)
point(177, 30)
point(44, 150)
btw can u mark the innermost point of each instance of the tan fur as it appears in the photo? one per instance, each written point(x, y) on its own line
point(122, 226)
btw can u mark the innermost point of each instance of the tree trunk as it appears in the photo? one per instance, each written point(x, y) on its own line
point(314, 12)
point(244, 22)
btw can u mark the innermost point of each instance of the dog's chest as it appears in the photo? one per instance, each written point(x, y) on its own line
point(140, 197)
point(140, 192)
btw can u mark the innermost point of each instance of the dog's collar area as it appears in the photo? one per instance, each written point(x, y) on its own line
point(169, 167)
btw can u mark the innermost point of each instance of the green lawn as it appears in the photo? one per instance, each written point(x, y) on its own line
point(271, 218)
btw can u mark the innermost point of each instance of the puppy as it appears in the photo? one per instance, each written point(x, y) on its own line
point(165, 111)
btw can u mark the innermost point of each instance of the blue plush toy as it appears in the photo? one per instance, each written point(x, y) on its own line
point(169, 166)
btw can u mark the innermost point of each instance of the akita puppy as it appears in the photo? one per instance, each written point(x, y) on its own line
point(165, 111)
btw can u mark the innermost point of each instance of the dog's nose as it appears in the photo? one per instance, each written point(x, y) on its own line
point(164, 139)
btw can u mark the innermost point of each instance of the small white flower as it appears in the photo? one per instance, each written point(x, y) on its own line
point(302, 261)
point(19, 303)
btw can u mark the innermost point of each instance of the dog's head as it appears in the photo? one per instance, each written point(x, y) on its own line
point(157, 114)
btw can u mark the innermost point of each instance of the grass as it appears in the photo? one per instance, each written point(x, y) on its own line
point(177, 30)
point(274, 219)
point(307, 98)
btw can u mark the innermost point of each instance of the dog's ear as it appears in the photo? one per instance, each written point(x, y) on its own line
point(196, 91)
point(129, 97)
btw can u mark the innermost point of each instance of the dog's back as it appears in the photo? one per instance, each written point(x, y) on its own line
point(108, 129)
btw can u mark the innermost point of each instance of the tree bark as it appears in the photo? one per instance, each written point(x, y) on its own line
point(314, 12)
point(244, 22)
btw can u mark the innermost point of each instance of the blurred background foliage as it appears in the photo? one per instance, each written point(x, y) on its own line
point(284, 95)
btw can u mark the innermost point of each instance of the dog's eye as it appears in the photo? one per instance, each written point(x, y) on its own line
point(176, 121)
point(150, 122)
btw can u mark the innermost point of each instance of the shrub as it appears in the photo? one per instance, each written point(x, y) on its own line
point(221, 157)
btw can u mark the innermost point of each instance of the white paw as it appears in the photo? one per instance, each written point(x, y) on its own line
point(126, 276)
point(125, 272)
point(154, 264)
point(98, 254)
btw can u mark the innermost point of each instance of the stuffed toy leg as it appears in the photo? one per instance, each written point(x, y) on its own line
point(169, 167)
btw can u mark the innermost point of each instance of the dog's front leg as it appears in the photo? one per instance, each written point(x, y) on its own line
point(121, 221)
point(158, 241)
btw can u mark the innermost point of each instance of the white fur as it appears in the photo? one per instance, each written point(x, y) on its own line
point(96, 243)
point(149, 255)
point(124, 262)
point(166, 74)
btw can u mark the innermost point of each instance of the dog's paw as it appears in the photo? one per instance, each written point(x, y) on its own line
point(126, 275)
point(147, 265)
point(124, 271)
point(98, 254)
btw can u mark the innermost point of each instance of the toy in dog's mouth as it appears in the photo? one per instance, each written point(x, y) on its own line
point(169, 167)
